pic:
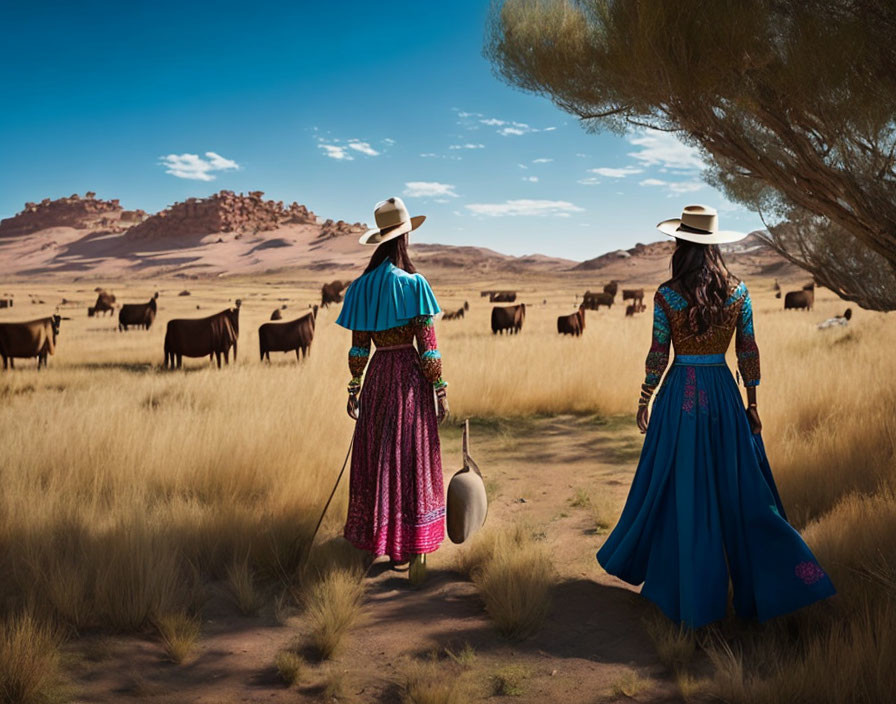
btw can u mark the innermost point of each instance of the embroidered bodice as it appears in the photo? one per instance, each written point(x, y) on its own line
point(671, 327)
point(420, 329)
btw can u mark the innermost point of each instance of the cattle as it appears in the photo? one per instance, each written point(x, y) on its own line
point(332, 292)
point(198, 337)
point(796, 300)
point(612, 288)
point(5, 303)
point(34, 339)
point(293, 335)
point(636, 295)
point(573, 324)
point(633, 308)
point(140, 314)
point(91, 311)
point(509, 318)
point(276, 315)
point(593, 301)
point(454, 315)
point(105, 303)
point(466, 305)
point(502, 297)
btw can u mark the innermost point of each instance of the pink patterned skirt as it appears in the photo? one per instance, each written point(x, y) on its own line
point(396, 494)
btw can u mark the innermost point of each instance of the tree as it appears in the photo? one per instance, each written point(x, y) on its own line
point(791, 103)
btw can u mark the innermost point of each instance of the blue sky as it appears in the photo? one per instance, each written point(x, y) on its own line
point(335, 105)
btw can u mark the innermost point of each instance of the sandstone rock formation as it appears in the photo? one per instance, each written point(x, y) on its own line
point(225, 211)
point(88, 212)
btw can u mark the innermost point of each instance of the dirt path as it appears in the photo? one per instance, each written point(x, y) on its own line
point(566, 477)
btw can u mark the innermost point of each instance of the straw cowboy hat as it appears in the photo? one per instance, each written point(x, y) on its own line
point(700, 224)
point(392, 220)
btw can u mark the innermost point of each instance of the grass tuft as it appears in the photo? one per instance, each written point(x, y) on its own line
point(290, 667)
point(180, 633)
point(242, 588)
point(509, 681)
point(332, 606)
point(29, 661)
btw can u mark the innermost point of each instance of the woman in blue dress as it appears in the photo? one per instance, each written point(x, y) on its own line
point(703, 508)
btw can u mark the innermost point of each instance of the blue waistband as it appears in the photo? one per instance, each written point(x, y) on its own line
point(698, 359)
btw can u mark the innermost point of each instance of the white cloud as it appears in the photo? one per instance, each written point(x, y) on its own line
point(589, 181)
point(334, 151)
point(675, 187)
point(542, 161)
point(429, 189)
point(363, 147)
point(467, 146)
point(511, 128)
point(510, 131)
point(581, 156)
point(531, 179)
point(522, 166)
point(193, 166)
point(526, 207)
point(492, 122)
point(664, 149)
point(429, 155)
point(389, 141)
point(616, 173)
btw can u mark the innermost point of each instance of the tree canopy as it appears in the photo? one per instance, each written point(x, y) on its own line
point(791, 103)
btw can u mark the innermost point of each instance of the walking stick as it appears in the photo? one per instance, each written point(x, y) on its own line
point(333, 493)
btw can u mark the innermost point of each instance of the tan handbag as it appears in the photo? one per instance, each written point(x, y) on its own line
point(467, 504)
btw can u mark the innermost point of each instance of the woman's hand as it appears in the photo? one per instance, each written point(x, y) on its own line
point(443, 411)
point(352, 406)
point(643, 418)
point(753, 418)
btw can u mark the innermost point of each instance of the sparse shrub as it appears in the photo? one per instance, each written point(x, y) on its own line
point(425, 683)
point(509, 681)
point(242, 588)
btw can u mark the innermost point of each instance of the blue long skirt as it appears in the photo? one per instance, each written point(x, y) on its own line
point(703, 508)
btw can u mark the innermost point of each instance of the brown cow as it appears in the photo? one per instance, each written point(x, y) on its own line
point(276, 315)
point(573, 324)
point(805, 299)
point(466, 305)
point(5, 303)
point(332, 292)
point(454, 315)
point(593, 301)
point(34, 339)
point(633, 308)
point(636, 295)
point(285, 337)
point(508, 318)
point(502, 297)
point(198, 337)
point(140, 314)
point(105, 302)
point(612, 288)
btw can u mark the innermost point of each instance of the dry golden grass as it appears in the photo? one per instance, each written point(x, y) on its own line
point(179, 633)
point(509, 681)
point(332, 605)
point(126, 487)
point(427, 683)
point(514, 575)
point(290, 666)
point(29, 661)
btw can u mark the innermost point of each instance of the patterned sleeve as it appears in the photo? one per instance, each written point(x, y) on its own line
point(658, 357)
point(745, 343)
point(430, 357)
point(358, 354)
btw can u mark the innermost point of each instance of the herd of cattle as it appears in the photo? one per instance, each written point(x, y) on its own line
point(216, 335)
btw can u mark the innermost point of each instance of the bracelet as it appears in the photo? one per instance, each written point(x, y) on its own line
point(440, 384)
point(752, 405)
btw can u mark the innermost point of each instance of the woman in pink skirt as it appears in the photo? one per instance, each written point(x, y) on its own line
point(396, 496)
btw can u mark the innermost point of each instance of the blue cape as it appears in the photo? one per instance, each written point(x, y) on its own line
point(386, 298)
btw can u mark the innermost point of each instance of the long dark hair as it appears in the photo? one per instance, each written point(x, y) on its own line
point(396, 251)
point(700, 275)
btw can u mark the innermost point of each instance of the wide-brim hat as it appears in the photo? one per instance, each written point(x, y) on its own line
point(392, 220)
point(700, 224)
